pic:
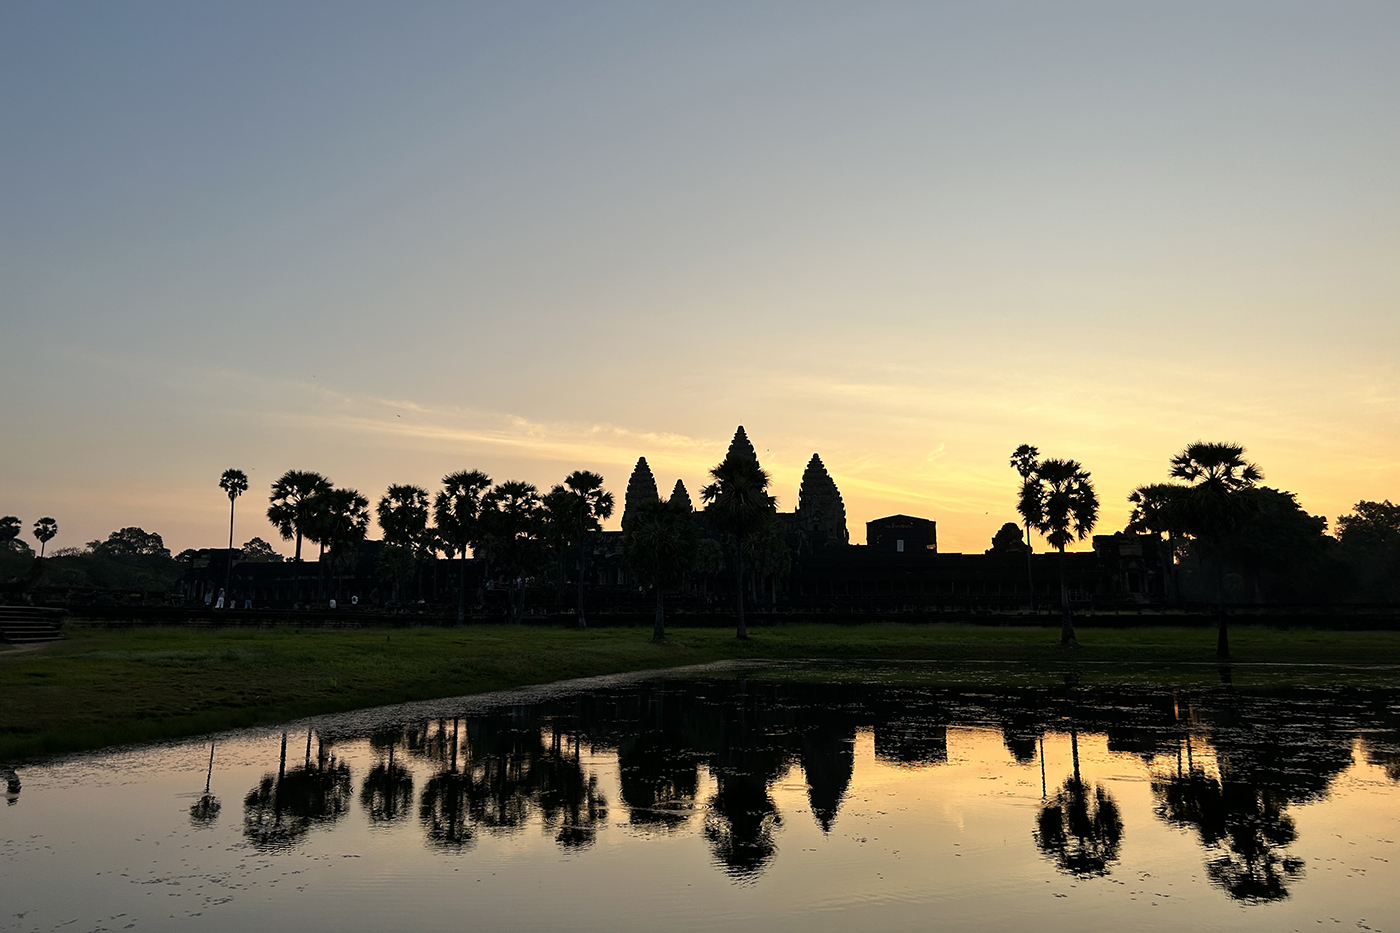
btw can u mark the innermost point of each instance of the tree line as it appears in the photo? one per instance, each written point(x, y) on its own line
point(1214, 509)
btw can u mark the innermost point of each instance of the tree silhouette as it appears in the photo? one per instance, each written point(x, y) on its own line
point(1008, 540)
point(445, 811)
point(283, 807)
point(293, 504)
point(1079, 828)
point(1162, 509)
point(1025, 460)
point(659, 544)
point(403, 517)
point(205, 811)
point(1208, 508)
point(570, 801)
point(10, 527)
point(45, 530)
point(579, 507)
point(457, 516)
point(387, 793)
point(512, 522)
point(258, 551)
point(343, 519)
point(1058, 500)
point(234, 483)
point(1245, 826)
point(738, 505)
point(659, 779)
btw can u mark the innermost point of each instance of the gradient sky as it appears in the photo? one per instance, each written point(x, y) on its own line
point(393, 240)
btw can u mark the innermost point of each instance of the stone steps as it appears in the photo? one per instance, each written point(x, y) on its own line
point(28, 625)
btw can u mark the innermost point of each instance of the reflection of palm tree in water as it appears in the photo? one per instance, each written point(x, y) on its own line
point(387, 793)
point(741, 818)
point(206, 809)
point(282, 808)
point(1079, 828)
point(569, 798)
point(740, 824)
point(1245, 826)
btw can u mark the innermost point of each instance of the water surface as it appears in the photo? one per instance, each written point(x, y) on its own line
point(805, 798)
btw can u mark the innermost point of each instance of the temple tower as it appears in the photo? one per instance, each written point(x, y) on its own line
point(821, 514)
point(740, 447)
point(641, 487)
point(681, 494)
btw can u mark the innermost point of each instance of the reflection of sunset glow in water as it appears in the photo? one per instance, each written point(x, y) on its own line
point(735, 805)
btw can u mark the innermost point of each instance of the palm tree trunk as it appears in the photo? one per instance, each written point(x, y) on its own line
point(582, 563)
point(1222, 635)
point(228, 569)
point(1030, 574)
point(1067, 638)
point(462, 591)
point(743, 632)
point(658, 633)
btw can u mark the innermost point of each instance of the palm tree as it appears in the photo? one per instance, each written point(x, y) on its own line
point(234, 483)
point(457, 515)
point(403, 514)
point(10, 526)
point(738, 505)
point(1215, 506)
point(580, 507)
point(403, 517)
point(45, 529)
point(1058, 500)
point(1025, 460)
point(659, 543)
point(512, 524)
point(343, 519)
point(1161, 508)
point(293, 507)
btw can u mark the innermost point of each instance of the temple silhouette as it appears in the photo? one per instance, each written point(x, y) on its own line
point(898, 569)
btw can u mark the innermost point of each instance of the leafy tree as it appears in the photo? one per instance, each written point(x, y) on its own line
point(45, 530)
point(1162, 509)
point(659, 544)
point(403, 515)
point(579, 507)
point(258, 551)
point(1025, 460)
point(1286, 551)
point(1008, 540)
point(512, 524)
point(343, 519)
point(1209, 507)
point(1371, 548)
point(1373, 524)
point(709, 560)
point(294, 506)
point(234, 483)
point(131, 542)
point(738, 505)
point(769, 555)
point(1058, 501)
point(10, 527)
point(457, 516)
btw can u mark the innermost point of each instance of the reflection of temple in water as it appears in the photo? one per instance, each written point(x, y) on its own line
point(706, 756)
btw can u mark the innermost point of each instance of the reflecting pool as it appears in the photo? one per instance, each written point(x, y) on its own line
point(797, 797)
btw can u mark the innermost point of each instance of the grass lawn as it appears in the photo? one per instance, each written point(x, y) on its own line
point(114, 686)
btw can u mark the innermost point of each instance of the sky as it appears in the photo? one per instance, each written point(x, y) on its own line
point(389, 241)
